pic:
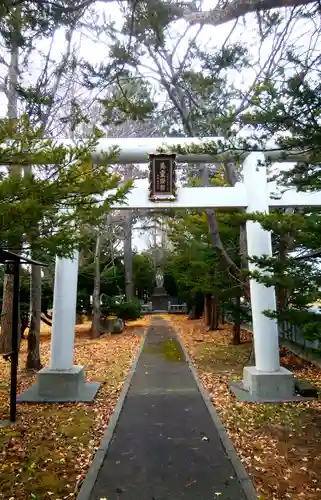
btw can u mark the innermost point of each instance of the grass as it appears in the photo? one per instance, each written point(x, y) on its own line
point(279, 444)
point(46, 454)
point(169, 349)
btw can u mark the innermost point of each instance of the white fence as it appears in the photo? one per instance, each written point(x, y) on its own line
point(177, 308)
point(172, 308)
point(290, 332)
point(293, 334)
point(146, 308)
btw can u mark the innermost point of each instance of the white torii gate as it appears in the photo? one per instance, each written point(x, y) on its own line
point(266, 381)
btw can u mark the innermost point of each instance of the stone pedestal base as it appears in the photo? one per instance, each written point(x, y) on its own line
point(159, 300)
point(265, 387)
point(60, 386)
point(268, 385)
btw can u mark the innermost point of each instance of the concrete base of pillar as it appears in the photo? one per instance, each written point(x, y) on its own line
point(268, 385)
point(265, 387)
point(60, 386)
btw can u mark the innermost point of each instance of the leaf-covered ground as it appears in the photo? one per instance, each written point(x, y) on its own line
point(280, 445)
point(46, 454)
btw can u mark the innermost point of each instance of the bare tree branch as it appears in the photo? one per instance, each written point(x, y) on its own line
point(237, 8)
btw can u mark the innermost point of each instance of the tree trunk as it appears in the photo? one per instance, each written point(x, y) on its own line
point(237, 321)
point(244, 261)
point(217, 322)
point(14, 171)
point(193, 313)
point(207, 310)
point(281, 291)
point(24, 323)
point(222, 316)
point(128, 257)
point(128, 253)
point(216, 319)
point(236, 333)
point(33, 357)
point(215, 315)
point(6, 319)
point(214, 233)
point(212, 316)
point(285, 245)
point(88, 308)
point(95, 329)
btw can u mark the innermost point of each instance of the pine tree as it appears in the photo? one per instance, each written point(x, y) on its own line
point(74, 194)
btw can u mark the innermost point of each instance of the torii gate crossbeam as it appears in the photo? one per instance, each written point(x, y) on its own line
point(137, 149)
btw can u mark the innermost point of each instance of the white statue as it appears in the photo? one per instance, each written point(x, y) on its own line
point(159, 280)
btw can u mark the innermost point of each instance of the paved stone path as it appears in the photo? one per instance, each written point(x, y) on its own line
point(165, 446)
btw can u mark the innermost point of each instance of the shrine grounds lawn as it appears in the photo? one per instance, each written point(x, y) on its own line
point(279, 445)
point(46, 454)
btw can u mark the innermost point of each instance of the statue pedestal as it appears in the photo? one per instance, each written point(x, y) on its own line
point(159, 300)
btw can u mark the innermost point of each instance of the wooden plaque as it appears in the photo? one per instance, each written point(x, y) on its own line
point(162, 177)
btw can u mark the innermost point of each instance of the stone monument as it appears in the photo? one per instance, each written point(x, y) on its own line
point(160, 297)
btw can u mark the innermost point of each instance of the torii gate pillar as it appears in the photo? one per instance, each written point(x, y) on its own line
point(266, 381)
point(62, 381)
